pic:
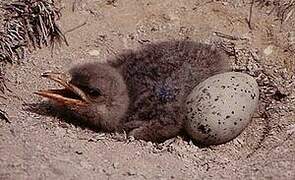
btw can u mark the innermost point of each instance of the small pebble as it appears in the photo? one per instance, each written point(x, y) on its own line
point(267, 51)
point(94, 52)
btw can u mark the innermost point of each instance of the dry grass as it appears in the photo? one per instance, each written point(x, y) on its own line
point(282, 9)
point(28, 24)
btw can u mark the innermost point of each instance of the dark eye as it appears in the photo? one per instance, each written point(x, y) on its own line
point(94, 92)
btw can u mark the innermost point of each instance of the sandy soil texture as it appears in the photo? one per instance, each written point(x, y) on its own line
point(38, 142)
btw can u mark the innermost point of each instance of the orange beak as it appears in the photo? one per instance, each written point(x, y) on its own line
point(70, 95)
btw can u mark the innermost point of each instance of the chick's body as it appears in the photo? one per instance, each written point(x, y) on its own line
point(158, 79)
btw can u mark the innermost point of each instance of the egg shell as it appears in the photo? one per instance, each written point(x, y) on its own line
point(221, 107)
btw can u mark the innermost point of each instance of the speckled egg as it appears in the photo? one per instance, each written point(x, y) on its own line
point(220, 108)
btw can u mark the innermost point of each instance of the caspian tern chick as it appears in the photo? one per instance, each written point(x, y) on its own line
point(142, 92)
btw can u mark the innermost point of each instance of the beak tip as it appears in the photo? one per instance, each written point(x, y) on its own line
point(36, 92)
point(39, 93)
point(45, 74)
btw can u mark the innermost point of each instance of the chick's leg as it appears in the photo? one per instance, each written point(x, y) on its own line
point(167, 125)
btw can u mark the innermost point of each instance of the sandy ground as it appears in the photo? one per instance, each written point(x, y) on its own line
point(38, 142)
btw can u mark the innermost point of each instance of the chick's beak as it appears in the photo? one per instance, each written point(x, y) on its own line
point(70, 95)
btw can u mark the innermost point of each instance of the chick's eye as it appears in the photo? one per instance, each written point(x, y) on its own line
point(94, 92)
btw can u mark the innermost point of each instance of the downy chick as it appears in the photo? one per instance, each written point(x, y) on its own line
point(142, 92)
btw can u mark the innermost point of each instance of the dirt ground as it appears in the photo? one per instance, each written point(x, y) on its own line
point(38, 142)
